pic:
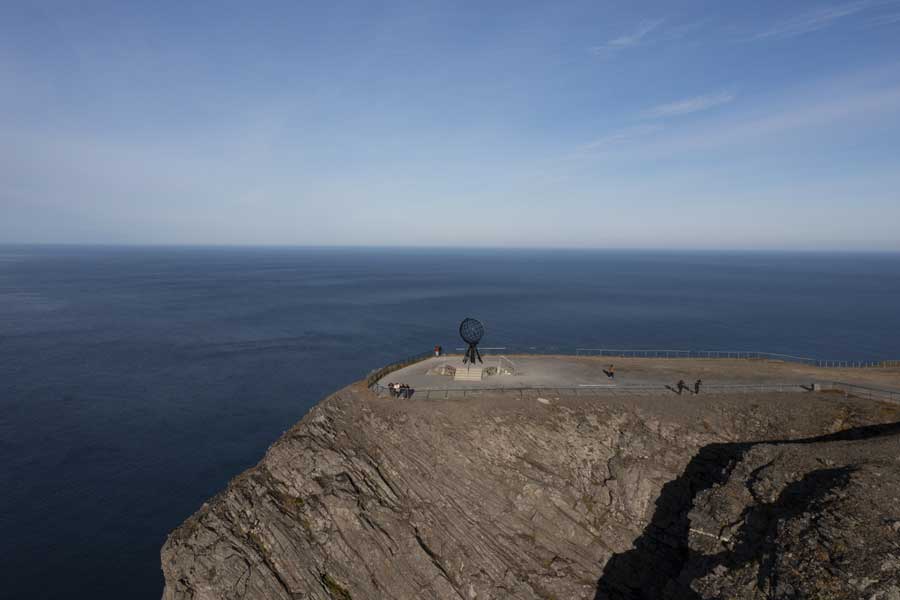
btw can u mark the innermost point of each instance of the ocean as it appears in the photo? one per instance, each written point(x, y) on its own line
point(135, 382)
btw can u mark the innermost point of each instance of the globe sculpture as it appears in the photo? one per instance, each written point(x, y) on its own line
point(471, 331)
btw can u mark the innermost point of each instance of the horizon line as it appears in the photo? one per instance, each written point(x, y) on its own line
point(248, 246)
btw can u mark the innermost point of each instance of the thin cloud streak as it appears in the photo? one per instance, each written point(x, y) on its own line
point(690, 105)
point(631, 40)
point(882, 20)
point(737, 132)
point(615, 139)
point(679, 32)
point(836, 102)
point(813, 21)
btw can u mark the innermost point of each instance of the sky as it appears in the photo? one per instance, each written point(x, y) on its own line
point(682, 125)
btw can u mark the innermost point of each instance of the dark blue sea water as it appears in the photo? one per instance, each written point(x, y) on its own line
point(135, 382)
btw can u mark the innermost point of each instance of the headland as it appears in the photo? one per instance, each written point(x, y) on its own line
point(548, 485)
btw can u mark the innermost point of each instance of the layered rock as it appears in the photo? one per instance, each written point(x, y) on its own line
point(515, 496)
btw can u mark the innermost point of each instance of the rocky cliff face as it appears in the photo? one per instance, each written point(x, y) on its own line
point(811, 518)
point(572, 497)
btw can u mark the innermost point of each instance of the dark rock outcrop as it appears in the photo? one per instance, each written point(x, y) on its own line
point(810, 518)
point(572, 497)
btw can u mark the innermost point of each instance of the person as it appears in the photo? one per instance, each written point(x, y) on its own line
point(390, 388)
point(681, 386)
point(397, 388)
point(697, 385)
point(437, 350)
point(611, 372)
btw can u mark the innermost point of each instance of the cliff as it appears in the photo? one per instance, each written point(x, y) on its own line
point(500, 496)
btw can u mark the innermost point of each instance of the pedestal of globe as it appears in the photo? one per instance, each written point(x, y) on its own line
point(458, 370)
point(468, 373)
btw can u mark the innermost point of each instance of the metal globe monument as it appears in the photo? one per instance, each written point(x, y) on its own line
point(471, 331)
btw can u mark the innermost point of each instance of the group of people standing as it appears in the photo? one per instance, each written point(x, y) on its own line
point(400, 390)
point(681, 386)
point(610, 373)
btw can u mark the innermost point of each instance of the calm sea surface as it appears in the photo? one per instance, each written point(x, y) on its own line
point(135, 382)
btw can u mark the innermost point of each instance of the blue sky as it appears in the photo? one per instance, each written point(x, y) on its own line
point(581, 124)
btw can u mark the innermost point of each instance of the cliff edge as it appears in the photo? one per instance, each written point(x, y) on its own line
point(537, 496)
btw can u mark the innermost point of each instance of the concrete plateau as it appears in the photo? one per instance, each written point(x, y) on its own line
point(537, 371)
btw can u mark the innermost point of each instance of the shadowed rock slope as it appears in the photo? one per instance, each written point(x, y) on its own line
point(573, 497)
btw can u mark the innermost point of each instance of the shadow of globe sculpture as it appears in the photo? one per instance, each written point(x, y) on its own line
point(471, 331)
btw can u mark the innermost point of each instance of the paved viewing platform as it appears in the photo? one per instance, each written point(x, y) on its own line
point(586, 373)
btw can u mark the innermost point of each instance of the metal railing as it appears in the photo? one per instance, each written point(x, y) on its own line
point(656, 353)
point(674, 353)
point(864, 391)
point(740, 354)
point(373, 377)
point(849, 389)
point(592, 390)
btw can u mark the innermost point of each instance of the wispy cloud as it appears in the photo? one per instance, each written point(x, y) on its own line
point(617, 137)
point(680, 32)
point(614, 140)
point(799, 115)
point(629, 40)
point(886, 19)
point(641, 133)
point(690, 105)
point(815, 20)
point(838, 105)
